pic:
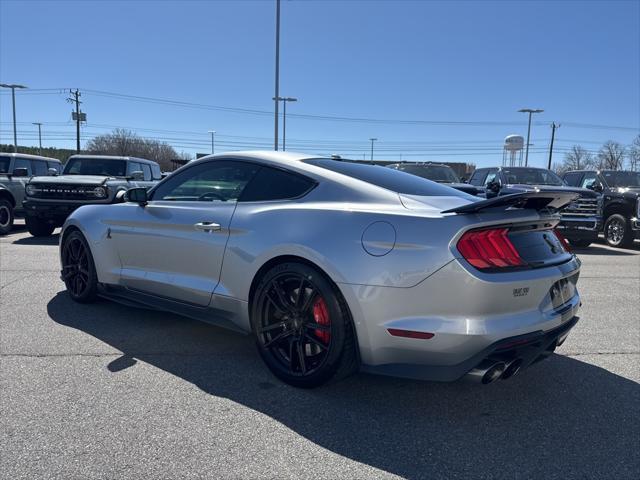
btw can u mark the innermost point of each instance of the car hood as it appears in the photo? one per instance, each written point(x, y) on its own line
point(518, 188)
point(628, 192)
point(72, 179)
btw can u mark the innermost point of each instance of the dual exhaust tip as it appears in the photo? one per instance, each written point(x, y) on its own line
point(491, 370)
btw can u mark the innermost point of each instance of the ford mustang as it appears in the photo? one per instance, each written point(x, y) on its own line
point(336, 266)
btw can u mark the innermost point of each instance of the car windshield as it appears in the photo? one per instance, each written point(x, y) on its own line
point(622, 179)
point(531, 176)
point(436, 173)
point(95, 166)
point(394, 180)
point(4, 164)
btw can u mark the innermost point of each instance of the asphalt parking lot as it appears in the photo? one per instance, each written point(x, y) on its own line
point(106, 391)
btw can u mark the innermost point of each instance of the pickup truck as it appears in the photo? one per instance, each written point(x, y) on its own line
point(620, 192)
point(86, 179)
point(437, 172)
point(581, 220)
point(15, 171)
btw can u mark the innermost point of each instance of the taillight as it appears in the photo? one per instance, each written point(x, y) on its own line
point(490, 248)
point(563, 241)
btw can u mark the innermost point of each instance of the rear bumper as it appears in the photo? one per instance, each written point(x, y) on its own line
point(471, 317)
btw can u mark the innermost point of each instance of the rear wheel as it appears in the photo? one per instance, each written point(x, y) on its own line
point(38, 227)
point(617, 232)
point(6, 217)
point(581, 243)
point(78, 269)
point(303, 327)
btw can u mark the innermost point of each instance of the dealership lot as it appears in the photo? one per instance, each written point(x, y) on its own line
point(104, 391)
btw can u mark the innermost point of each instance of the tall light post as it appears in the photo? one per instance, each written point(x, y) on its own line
point(372, 140)
point(13, 87)
point(277, 93)
point(530, 111)
point(39, 135)
point(213, 145)
point(284, 101)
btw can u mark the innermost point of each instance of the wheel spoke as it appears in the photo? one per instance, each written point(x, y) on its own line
point(268, 328)
point(278, 338)
point(275, 304)
point(308, 301)
point(315, 341)
point(317, 326)
point(300, 350)
point(282, 296)
point(301, 292)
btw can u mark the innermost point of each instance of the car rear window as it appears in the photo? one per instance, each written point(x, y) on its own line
point(387, 178)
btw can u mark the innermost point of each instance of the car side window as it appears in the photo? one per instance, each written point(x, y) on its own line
point(589, 180)
point(39, 167)
point(146, 170)
point(275, 184)
point(23, 163)
point(216, 181)
point(55, 165)
point(572, 178)
point(491, 176)
point(133, 167)
point(477, 178)
point(156, 174)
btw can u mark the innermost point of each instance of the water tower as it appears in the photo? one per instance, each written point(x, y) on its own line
point(512, 152)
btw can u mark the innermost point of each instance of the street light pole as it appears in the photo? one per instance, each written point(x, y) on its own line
point(276, 97)
point(284, 101)
point(13, 87)
point(372, 140)
point(213, 149)
point(39, 136)
point(530, 111)
point(553, 136)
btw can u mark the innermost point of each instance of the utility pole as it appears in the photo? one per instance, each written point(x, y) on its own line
point(372, 140)
point(529, 111)
point(213, 150)
point(284, 101)
point(39, 136)
point(13, 87)
point(277, 94)
point(553, 135)
point(75, 98)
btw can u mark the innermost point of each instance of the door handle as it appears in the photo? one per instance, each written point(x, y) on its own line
point(208, 226)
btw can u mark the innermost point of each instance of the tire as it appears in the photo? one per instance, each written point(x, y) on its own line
point(305, 341)
point(617, 231)
point(78, 269)
point(580, 243)
point(38, 228)
point(6, 217)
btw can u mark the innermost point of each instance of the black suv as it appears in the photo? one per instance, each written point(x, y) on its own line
point(436, 172)
point(621, 201)
point(581, 219)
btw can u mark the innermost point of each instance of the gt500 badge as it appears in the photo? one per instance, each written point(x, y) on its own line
point(520, 292)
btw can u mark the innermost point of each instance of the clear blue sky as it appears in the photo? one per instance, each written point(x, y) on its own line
point(432, 61)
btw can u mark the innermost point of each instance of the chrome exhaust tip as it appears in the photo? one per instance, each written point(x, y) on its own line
point(513, 367)
point(487, 372)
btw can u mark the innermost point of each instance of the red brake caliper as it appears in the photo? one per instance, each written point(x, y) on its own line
point(321, 317)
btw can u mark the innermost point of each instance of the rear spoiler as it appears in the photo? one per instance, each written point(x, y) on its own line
point(549, 199)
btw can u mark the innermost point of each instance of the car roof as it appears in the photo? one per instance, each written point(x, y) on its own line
point(420, 164)
point(33, 157)
point(112, 157)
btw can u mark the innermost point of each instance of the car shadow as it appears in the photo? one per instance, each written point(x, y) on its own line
point(50, 240)
point(605, 251)
point(563, 418)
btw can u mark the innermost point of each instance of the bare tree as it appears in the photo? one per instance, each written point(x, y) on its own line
point(577, 159)
point(126, 143)
point(611, 156)
point(633, 153)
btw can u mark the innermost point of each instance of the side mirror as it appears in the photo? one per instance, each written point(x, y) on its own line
point(136, 195)
point(493, 186)
point(597, 187)
point(52, 172)
point(20, 172)
point(138, 175)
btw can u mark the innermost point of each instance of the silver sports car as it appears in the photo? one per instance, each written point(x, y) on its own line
point(337, 266)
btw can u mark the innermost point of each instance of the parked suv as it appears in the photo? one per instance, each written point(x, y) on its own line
point(621, 201)
point(15, 171)
point(436, 172)
point(581, 220)
point(86, 179)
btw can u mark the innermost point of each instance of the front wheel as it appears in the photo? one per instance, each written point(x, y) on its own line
point(303, 327)
point(6, 217)
point(617, 232)
point(78, 269)
point(38, 227)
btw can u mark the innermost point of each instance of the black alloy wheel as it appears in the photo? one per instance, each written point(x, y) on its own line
point(304, 332)
point(78, 269)
point(617, 232)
